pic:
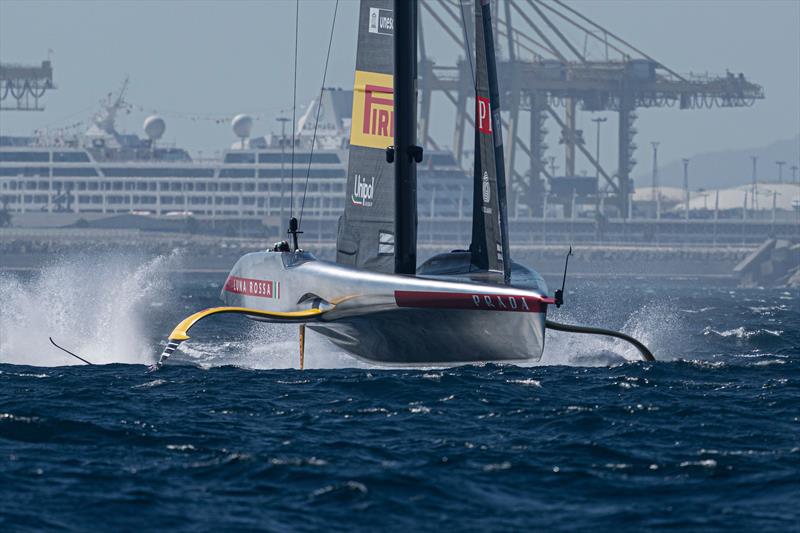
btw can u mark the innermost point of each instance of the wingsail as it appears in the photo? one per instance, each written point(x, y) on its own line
point(489, 245)
point(366, 230)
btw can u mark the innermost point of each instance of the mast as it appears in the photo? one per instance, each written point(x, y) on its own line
point(406, 152)
point(494, 102)
point(489, 246)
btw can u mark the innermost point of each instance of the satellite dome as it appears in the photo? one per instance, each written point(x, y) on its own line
point(154, 127)
point(242, 125)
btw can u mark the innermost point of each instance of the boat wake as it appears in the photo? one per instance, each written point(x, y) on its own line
point(656, 325)
point(95, 306)
point(117, 309)
point(269, 347)
point(276, 346)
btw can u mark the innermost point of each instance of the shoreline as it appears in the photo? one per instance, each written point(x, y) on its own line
point(33, 250)
point(602, 275)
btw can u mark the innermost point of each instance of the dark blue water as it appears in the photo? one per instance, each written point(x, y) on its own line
point(707, 439)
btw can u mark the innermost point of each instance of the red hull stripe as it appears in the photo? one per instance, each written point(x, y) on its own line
point(262, 288)
point(478, 302)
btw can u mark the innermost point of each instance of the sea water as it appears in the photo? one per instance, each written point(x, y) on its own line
point(231, 435)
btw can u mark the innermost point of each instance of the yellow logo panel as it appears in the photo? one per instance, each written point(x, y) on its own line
point(373, 110)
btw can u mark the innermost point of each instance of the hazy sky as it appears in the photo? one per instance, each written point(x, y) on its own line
point(191, 59)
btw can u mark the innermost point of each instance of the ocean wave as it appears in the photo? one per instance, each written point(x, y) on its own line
point(741, 332)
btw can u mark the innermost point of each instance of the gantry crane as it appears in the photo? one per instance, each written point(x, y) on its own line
point(25, 84)
point(543, 69)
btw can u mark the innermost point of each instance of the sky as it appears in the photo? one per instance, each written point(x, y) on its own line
point(198, 63)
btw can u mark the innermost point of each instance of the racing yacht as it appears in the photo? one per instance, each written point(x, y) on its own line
point(375, 302)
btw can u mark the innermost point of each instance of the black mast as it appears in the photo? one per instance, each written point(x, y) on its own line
point(494, 99)
point(406, 151)
point(489, 246)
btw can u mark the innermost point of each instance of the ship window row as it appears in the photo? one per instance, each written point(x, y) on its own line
point(70, 157)
point(249, 158)
point(75, 172)
point(80, 172)
point(164, 186)
point(232, 200)
point(25, 198)
point(303, 158)
point(35, 157)
point(233, 158)
point(25, 157)
point(237, 173)
point(24, 171)
point(301, 173)
point(179, 200)
point(260, 201)
point(57, 185)
point(126, 172)
point(43, 171)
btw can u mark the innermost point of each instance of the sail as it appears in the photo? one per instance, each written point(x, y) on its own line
point(489, 245)
point(366, 229)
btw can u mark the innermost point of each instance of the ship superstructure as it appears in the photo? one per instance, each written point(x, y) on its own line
point(106, 172)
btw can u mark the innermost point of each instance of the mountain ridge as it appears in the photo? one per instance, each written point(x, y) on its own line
point(728, 168)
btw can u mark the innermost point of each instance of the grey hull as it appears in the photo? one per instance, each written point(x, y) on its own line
point(417, 337)
point(447, 314)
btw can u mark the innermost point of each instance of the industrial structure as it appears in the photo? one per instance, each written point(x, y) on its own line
point(547, 75)
point(24, 85)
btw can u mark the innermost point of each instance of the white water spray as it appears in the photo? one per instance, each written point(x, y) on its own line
point(94, 306)
point(269, 346)
point(656, 325)
point(276, 346)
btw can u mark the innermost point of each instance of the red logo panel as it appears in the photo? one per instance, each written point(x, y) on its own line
point(378, 111)
point(483, 115)
point(485, 302)
point(263, 288)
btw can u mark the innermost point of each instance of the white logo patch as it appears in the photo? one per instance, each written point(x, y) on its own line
point(487, 190)
point(381, 21)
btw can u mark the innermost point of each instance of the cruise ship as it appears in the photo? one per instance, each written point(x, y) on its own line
point(113, 180)
point(103, 172)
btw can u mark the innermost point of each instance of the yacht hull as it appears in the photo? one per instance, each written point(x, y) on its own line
point(441, 316)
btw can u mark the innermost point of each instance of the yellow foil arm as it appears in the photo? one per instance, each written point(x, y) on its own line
point(181, 331)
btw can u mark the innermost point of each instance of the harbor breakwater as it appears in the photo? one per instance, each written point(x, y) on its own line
point(30, 249)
